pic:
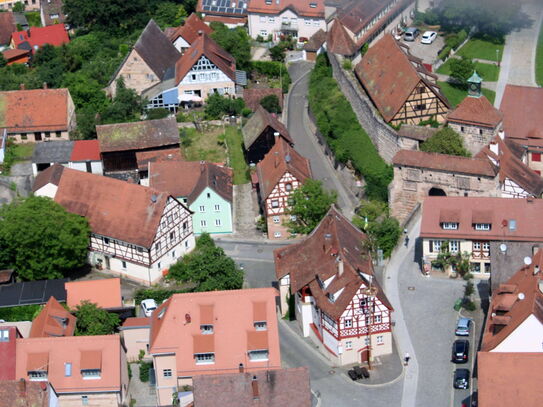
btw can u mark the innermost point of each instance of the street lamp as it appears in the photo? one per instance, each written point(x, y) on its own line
point(497, 57)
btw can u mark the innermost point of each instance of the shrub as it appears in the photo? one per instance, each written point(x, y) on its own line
point(347, 65)
point(144, 370)
point(158, 113)
point(444, 53)
point(245, 112)
point(158, 294)
point(271, 103)
point(273, 69)
point(20, 313)
point(259, 38)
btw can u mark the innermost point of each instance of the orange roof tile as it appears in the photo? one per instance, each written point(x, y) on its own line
point(521, 108)
point(226, 19)
point(301, 8)
point(37, 37)
point(339, 41)
point(177, 322)
point(141, 322)
point(86, 150)
point(106, 293)
point(143, 158)
point(73, 350)
point(476, 111)
point(90, 359)
point(34, 110)
point(189, 30)
point(53, 320)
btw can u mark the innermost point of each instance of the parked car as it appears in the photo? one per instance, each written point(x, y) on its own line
point(148, 306)
point(461, 379)
point(411, 34)
point(462, 327)
point(460, 351)
point(428, 37)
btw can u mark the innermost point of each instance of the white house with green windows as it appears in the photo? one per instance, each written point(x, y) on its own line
point(204, 187)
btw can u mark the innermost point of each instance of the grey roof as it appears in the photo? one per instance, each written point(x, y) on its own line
point(53, 152)
point(258, 122)
point(20, 19)
point(157, 51)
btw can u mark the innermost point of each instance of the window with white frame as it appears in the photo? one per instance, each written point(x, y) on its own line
point(316, 23)
point(202, 208)
point(85, 400)
point(124, 264)
point(454, 246)
point(204, 358)
point(275, 203)
point(217, 208)
point(206, 329)
point(4, 335)
point(277, 234)
point(436, 245)
point(486, 246)
point(261, 325)
point(293, 218)
point(276, 219)
point(476, 246)
point(348, 345)
point(258, 355)
point(348, 323)
point(166, 372)
point(263, 33)
point(378, 319)
point(217, 222)
point(307, 21)
point(482, 226)
point(203, 223)
point(262, 19)
point(90, 373)
point(271, 19)
point(450, 225)
point(380, 339)
point(37, 375)
point(366, 341)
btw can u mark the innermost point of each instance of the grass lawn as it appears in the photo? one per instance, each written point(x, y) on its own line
point(236, 158)
point(456, 95)
point(22, 152)
point(21, 313)
point(33, 18)
point(539, 59)
point(488, 72)
point(481, 49)
point(204, 146)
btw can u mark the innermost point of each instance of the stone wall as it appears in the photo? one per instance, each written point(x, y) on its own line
point(385, 138)
point(475, 137)
point(411, 185)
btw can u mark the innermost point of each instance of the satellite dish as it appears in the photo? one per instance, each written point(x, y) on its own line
point(493, 314)
point(527, 260)
point(503, 248)
point(521, 296)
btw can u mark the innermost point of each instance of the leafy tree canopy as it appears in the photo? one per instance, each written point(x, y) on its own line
point(158, 113)
point(235, 41)
point(208, 267)
point(446, 141)
point(92, 320)
point(277, 53)
point(169, 14)
point(461, 70)
point(40, 240)
point(217, 106)
point(309, 204)
point(271, 103)
point(19, 7)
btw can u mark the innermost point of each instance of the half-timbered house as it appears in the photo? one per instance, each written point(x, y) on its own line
point(261, 133)
point(399, 85)
point(337, 300)
point(282, 171)
point(136, 231)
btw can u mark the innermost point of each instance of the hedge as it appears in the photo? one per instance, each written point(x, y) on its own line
point(338, 123)
point(273, 69)
point(157, 294)
point(20, 313)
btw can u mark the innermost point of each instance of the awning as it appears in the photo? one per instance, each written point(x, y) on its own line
point(449, 216)
point(481, 216)
point(91, 360)
point(37, 362)
point(257, 340)
point(203, 343)
point(206, 314)
point(259, 312)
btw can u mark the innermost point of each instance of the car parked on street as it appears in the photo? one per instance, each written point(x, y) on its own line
point(148, 306)
point(462, 327)
point(460, 351)
point(411, 34)
point(461, 379)
point(428, 37)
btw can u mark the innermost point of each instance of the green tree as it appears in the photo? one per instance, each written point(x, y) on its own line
point(308, 205)
point(218, 106)
point(446, 141)
point(92, 320)
point(208, 267)
point(3, 61)
point(169, 14)
point(277, 53)
point(40, 240)
point(271, 103)
point(461, 70)
point(126, 106)
point(18, 7)
point(158, 113)
point(236, 42)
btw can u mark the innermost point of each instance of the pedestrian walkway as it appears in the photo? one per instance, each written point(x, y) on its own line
point(245, 213)
point(143, 393)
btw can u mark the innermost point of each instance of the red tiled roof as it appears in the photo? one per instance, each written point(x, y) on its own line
point(51, 175)
point(55, 35)
point(276, 388)
point(7, 353)
point(252, 97)
point(142, 322)
point(477, 111)
point(317, 255)
point(34, 110)
point(205, 46)
point(143, 158)
point(15, 393)
point(301, 8)
point(388, 74)
point(11, 55)
point(522, 119)
point(53, 320)
point(86, 150)
point(189, 30)
point(444, 162)
point(106, 293)
point(496, 211)
point(339, 41)
point(282, 158)
point(507, 379)
point(7, 26)
point(316, 41)
point(226, 19)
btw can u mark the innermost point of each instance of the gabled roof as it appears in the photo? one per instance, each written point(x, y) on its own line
point(106, 293)
point(34, 110)
point(301, 8)
point(390, 74)
point(51, 7)
point(16, 393)
point(137, 135)
point(507, 379)
point(522, 119)
point(339, 41)
point(258, 122)
point(7, 26)
point(189, 30)
point(218, 178)
point(316, 41)
point(53, 321)
point(508, 310)
point(275, 388)
point(334, 240)
point(113, 208)
point(175, 328)
point(53, 152)
point(205, 46)
point(12, 55)
point(476, 111)
point(143, 158)
point(51, 175)
point(86, 150)
point(83, 352)
point(282, 158)
point(357, 14)
point(252, 97)
point(55, 35)
point(157, 50)
point(444, 162)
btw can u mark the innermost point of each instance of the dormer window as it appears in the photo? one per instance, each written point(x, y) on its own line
point(268, 2)
point(91, 373)
point(449, 225)
point(313, 5)
point(4, 335)
point(206, 329)
point(258, 355)
point(482, 226)
point(331, 297)
point(37, 375)
point(261, 326)
point(204, 358)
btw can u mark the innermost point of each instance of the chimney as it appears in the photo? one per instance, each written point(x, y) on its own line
point(495, 148)
point(28, 33)
point(44, 85)
point(254, 384)
point(241, 368)
point(340, 267)
point(501, 133)
point(22, 86)
point(276, 157)
point(276, 134)
point(22, 388)
point(200, 33)
point(202, 166)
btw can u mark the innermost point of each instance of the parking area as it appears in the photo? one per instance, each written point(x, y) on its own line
point(426, 52)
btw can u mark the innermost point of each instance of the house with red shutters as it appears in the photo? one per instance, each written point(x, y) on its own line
point(338, 302)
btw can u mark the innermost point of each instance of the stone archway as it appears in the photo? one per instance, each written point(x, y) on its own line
point(436, 192)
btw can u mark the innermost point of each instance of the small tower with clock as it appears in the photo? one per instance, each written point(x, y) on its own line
point(474, 85)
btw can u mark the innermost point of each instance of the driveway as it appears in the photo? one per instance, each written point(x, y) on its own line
point(426, 52)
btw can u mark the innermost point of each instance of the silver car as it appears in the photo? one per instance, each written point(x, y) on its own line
point(462, 327)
